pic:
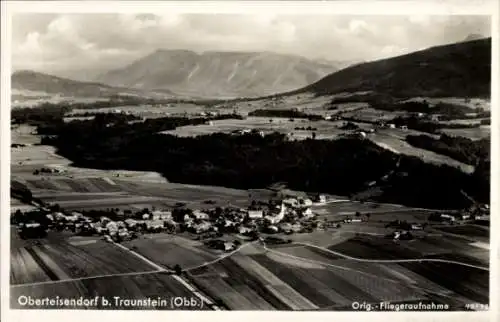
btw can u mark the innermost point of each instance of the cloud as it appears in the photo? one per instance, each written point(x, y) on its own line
point(54, 43)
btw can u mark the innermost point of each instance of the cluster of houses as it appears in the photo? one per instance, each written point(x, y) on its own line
point(248, 131)
point(48, 171)
point(115, 230)
point(459, 216)
point(291, 215)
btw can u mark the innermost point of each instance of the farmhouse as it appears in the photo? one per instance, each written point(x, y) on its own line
point(200, 215)
point(255, 214)
point(164, 215)
point(447, 217)
point(228, 246)
point(286, 227)
point(321, 198)
point(291, 202)
point(305, 202)
point(131, 223)
point(416, 227)
point(307, 213)
point(244, 230)
point(112, 227)
point(482, 217)
point(296, 227)
point(202, 227)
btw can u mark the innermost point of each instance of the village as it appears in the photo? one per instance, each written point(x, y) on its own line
point(218, 225)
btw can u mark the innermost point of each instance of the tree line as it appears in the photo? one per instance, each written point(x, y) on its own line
point(249, 161)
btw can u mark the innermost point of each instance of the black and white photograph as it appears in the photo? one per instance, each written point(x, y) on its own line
point(254, 161)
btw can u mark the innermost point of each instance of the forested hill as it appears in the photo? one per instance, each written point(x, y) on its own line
point(456, 70)
point(342, 167)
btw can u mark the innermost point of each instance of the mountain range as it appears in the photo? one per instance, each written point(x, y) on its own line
point(461, 69)
point(218, 74)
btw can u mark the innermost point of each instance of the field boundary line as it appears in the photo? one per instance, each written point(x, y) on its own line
point(179, 279)
point(150, 262)
point(394, 260)
point(86, 278)
point(218, 259)
point(329, 265)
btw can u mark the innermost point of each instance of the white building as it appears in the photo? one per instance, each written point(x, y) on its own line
point(482, 217)
point(306, 202)
point(286, 227)
point(228, 246)
point(244, 230)
point(321, 198)
point(416, 227)
point(202, 227)
point(130, 222)
point(200, 215)
point(291, 202)
point(447, 217)
point(163, 215)
point(154, 224)
point(274, 219)
point(255, 214)
point(308, 213)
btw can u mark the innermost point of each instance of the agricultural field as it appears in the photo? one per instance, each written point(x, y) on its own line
point(194, 196)
point(177, 109)
point(240, 285)
point(467, 230)
point(324, 129)
point(170, 250)
point(63, 259)
point(482, 132)
point(475, 103)
point(377, 211)
point(399, 146)
point(369, 114)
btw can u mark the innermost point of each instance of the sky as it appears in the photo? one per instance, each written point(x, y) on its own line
point(61, 43)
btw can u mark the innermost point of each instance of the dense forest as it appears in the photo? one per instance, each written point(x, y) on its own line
point(343, 166)
point(285, 113)
point(459, 148)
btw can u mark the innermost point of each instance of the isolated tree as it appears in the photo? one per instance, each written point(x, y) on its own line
point(357, 214)
point(177, 269)
point(368, 215)
point(313, 135)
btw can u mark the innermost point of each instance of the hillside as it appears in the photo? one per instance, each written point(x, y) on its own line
point(218, 74)
point(456, 70)
point(30, 85)
point(31, 81)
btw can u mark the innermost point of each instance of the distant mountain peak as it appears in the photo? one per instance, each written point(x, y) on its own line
point(218, 73)
point(472, 37)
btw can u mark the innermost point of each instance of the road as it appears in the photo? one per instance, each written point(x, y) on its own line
point(178, 278)
point(418, 260)
point(87, 278)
